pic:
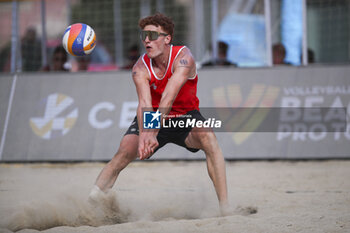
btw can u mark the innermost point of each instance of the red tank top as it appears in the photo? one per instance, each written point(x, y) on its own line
point(186, 100)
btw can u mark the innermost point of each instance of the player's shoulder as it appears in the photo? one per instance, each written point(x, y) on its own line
point(184, 56)
point(140, 68)
point(185, 63)
point(184, 51)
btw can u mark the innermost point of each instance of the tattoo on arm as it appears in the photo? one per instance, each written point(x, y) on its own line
point(184, 63)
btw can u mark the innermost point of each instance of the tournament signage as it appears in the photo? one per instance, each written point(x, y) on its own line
point(284, 112)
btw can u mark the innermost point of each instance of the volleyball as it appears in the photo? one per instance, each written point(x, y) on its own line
point(79, 39)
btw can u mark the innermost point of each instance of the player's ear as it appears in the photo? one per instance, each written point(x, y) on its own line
point(168, 39)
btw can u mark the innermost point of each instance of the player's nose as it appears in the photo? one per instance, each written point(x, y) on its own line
point(147, 40)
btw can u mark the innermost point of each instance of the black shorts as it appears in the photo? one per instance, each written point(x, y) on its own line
point(175, 135)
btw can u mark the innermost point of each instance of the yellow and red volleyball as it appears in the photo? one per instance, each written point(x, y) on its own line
point(79, 39)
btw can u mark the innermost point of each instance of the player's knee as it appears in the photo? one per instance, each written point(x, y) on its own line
point(206, 138)
point(120, 160)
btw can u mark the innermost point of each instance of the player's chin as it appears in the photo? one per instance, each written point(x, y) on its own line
point(151, 55)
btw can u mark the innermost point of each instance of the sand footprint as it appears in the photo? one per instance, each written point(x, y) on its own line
point(245, 211)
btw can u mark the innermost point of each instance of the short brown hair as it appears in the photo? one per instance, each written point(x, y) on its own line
point(159, 20)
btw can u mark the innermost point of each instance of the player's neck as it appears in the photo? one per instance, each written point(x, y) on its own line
point(162, 60)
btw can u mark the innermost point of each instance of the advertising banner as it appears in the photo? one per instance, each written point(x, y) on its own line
point(83, 116)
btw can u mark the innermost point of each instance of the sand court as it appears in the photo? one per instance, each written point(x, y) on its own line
point(163, 196)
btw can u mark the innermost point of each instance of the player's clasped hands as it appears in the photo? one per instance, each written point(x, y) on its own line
point(147, 144)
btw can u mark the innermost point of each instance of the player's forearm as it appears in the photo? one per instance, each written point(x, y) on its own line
point(140, 109)
point(166, 104)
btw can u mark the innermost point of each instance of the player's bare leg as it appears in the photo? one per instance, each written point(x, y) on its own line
point(127, 152)
point(206, 140)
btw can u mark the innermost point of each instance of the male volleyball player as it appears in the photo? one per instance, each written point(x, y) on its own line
point(166, 80)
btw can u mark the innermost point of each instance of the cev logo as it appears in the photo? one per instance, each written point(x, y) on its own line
point(59, 117)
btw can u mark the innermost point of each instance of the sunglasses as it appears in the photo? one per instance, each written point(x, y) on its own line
point(152, 35)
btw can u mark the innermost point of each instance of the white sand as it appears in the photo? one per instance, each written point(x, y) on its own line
point(311, 196)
